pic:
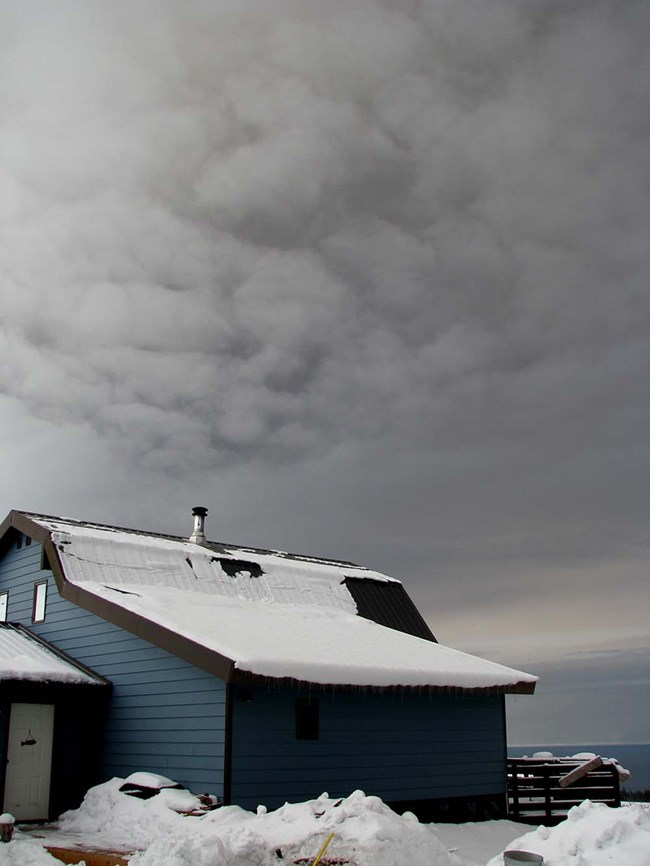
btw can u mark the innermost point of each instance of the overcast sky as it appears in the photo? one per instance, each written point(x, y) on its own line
point(369, 280)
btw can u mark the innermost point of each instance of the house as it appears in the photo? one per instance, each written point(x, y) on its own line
point(259, 676)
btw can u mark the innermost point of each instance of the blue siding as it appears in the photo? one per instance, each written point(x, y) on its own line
point(395, 746)
point(166, 715)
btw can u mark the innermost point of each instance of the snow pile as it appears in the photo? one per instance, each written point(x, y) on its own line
point(366, 831)
point(592, 835)
point(171, 794)
point(153, 781)
point(109, 816)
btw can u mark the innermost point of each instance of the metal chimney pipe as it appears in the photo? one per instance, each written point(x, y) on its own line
point(198, 534)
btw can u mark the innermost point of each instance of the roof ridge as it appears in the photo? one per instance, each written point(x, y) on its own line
point(217, 546)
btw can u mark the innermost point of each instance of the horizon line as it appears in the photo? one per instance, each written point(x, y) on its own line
point(522, 745)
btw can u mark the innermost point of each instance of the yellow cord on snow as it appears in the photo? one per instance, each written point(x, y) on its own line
point(323, 849)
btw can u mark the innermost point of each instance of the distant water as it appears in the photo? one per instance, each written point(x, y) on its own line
point(635, 757)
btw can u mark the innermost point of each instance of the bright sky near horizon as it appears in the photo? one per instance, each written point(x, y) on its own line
point(367, 279)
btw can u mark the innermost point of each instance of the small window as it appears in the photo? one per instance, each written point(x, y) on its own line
point(40, 597)
point(307, 719)
point(19, 541)
point(28, 541)
point(4, 604)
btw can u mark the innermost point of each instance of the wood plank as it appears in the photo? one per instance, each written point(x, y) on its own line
point(580, 771)
point(91, 857)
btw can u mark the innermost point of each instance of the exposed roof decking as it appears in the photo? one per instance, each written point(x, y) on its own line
point(388, 604)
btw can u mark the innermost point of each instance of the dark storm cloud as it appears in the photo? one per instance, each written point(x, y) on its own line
point(369, 278)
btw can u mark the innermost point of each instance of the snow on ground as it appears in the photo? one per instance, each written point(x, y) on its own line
point(24, 851)
point(365, 833)
point(472, 844)
point(592, 835)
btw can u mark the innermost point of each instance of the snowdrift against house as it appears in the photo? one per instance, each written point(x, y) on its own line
point(266, 613)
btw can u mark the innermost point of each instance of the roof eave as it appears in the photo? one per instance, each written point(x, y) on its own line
point(98, 679)
point(248, 678)
point(190, 651)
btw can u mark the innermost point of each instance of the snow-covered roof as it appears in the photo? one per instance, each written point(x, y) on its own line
point(26, 657)
point(263, 613)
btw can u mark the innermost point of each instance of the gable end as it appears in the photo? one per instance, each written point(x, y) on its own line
point(182, 647)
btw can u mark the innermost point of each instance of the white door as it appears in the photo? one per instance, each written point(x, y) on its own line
point(29, 760)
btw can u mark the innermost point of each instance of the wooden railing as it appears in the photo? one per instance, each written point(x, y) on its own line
point(535, 795)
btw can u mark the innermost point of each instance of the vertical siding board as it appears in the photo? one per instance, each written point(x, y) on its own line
point(397, 747)
point(163, 709)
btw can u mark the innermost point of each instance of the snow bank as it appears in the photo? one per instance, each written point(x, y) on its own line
point(592, 835)
point(110, 816)
point(366, 831)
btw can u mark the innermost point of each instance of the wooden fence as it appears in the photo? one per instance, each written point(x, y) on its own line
point(535, 795)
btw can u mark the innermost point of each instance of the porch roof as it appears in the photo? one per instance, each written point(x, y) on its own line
point(26, 657)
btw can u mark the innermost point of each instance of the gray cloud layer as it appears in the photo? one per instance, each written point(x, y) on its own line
point(264, 228)
point(378, 264)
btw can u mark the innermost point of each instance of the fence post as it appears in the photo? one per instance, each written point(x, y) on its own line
point(546, 772)
point(513, 777)
point(617, 785)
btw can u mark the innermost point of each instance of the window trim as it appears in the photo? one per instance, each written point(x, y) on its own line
point(37, 585)
point(4, 596)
